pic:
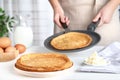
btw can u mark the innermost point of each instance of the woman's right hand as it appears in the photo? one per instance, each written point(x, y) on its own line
point(59, 16)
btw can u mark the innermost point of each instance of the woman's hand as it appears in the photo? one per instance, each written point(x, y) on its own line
point(106, 12)
point(58, 13)
point(59, 16)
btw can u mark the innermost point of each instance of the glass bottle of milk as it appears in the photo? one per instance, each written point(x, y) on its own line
point(23, 34)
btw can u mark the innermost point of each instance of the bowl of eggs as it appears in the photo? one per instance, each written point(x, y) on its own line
point(9, 52)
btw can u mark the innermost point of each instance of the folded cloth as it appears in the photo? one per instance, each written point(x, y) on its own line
point(98, 69)
point(110, 53)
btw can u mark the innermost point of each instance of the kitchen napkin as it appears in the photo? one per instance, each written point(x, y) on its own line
point(110, 53)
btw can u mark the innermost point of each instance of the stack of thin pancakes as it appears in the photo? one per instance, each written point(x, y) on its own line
point(43, 62)
point(71, 40)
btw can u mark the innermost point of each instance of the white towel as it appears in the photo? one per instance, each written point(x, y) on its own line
point(110, 53)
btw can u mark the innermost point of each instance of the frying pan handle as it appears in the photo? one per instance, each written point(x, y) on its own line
point(64, 25)
point(92, 26)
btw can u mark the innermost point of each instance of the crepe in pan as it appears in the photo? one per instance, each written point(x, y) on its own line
point(71, 40)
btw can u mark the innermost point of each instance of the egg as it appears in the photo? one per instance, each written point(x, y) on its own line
point(1, 50)
point(5, 42)
point(20, 47)
point(10, 49)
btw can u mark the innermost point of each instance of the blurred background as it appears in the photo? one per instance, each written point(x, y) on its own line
point(38, 13)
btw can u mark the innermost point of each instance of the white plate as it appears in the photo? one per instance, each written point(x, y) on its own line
point(43, 74)
point(107, 64)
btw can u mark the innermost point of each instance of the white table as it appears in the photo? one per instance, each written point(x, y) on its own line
point(7, 71)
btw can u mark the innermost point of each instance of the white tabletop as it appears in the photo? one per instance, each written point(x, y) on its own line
point(7, 71)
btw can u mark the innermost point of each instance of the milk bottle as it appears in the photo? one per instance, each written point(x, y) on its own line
point(23, 34)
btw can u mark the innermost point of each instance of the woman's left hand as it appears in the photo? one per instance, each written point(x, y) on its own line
point(106, 12)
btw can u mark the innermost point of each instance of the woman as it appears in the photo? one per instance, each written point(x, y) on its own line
point(80, 13)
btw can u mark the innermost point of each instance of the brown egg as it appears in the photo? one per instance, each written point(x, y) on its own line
point(20, 47)
point(1, 50)
point(5, 42)
point(10, 49)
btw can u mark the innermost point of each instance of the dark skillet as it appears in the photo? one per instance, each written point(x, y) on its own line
point(90, 31)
